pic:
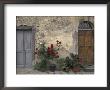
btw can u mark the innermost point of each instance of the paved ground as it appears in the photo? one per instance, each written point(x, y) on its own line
point(31, 71)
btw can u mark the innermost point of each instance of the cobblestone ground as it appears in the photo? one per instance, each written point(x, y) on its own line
point(31, 71)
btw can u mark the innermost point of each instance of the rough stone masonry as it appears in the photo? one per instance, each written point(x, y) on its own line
point(52, 28)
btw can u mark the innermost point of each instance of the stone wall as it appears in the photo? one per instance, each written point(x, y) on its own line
point(52, 28)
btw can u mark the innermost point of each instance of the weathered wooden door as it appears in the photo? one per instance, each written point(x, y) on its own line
point(24, 48)
point(86, 46)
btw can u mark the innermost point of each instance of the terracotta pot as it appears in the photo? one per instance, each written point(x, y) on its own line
point(76, 69)
point(52, 67)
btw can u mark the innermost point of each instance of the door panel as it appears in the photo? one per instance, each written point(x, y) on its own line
point(20, 59)
point(81, 38)
point(28, 48)
point(88, 38)
point(20, 40)
point(20, 51)
point(82, 53)
point(27, 40)
point(28, 59)
point(87, 58)
point(90, 55)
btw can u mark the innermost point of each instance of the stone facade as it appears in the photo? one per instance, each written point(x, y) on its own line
point(52, 28)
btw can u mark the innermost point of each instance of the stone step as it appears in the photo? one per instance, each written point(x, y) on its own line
point(89, 68)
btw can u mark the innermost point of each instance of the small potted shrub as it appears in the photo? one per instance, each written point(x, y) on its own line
point(77, 66)
point(68, 64)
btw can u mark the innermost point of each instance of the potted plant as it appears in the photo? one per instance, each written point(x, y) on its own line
point(77, 66)
point(47, 55)
point(52, 54)
point(68, 64)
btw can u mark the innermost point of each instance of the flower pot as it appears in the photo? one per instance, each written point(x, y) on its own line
point(76, 69)
point(52, 67)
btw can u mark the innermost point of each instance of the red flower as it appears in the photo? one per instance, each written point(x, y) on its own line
point(49, 51)
point(51, 45)
point(52, 52)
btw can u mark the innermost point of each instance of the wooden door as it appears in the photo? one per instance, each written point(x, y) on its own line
point(24, 48)
point(86, 46)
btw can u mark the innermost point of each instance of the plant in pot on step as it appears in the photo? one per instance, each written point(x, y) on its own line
point(77, 63)
point(52, 54)
point(68, 64)
point(47, 57)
